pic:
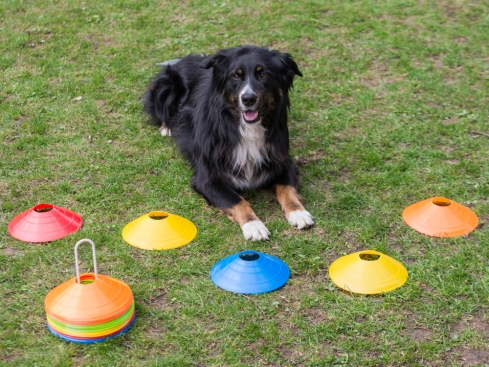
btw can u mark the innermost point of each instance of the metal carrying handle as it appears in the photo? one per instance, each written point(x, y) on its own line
point(76, 258)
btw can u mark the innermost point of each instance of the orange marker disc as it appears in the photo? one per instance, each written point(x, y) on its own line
point(440, 217)
point(89, 302)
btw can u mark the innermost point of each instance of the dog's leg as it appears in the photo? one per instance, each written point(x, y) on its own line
point(164, 130)
point(252, 227)
point(292, 207)
point(233, 205)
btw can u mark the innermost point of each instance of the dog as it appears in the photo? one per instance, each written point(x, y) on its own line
point(228, 115)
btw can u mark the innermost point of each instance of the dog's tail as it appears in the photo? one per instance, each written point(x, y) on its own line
point(168, 62)
point(164, 96)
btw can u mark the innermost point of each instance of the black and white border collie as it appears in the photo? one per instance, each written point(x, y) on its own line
point(228, 115)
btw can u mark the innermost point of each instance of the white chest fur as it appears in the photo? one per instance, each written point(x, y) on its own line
point(249, 154)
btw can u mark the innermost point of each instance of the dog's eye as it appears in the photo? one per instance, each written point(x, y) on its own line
point(264, 75)
point(235, 76)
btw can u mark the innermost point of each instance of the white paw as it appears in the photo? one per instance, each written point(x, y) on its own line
point(301, 219)
point(164, 131)
point(255, 230)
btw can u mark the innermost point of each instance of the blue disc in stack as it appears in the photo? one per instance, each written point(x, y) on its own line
point(250, 272)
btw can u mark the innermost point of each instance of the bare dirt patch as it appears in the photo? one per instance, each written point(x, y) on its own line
point(315, 315)
point(350, 238)
point(290, 354)
point(450, 120)
point(12, 252)
point(474, 357)
point(313, 157)
point(475, 323)
point(161, 301)
point(379, 75)
point(417, 332)
point(156, 329)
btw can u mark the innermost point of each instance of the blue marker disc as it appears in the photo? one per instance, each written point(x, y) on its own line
point(250, 272)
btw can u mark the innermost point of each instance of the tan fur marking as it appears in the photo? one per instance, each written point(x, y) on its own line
point(241, 213)
point(259, 68)
point(239, 72)
point(288, 198)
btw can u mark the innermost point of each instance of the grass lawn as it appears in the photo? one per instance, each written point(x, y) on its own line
point(392, 109)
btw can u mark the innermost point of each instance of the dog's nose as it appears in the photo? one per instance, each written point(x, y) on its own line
point(248, 99)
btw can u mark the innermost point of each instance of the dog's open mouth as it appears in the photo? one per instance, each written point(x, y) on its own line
point(250, 116)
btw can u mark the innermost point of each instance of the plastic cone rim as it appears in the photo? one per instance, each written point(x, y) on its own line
point(44, 223)
point(94, 303)
point(368, 272)
point(159, 230)
point(250, 272)
point(440, 217)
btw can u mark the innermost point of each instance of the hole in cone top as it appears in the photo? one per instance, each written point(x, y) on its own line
point(369, 257)
point(86, 278)
point(441, 202)
point(249, 256)
point(158, 215)
point(43, 208)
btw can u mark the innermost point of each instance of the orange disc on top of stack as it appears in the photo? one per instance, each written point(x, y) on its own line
point(89, 302)
point(440, 217)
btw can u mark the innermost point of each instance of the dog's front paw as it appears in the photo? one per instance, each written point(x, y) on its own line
point(164, 130)
point(300, 219)
point(255, 230)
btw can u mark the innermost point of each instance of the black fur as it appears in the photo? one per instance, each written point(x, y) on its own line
point(198, 100)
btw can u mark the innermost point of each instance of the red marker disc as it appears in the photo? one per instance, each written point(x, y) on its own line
point(44, 223)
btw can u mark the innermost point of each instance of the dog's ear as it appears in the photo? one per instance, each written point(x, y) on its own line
point(215, 61)
point(219, 64)
point(287, 69)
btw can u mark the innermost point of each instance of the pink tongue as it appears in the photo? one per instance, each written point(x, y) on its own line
point(250, 115)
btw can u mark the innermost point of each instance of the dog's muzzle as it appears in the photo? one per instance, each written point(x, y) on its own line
point(248, 106)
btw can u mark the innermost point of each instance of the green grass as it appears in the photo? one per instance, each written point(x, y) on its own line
point(392, 109)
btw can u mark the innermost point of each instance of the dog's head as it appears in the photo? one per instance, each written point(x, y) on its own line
point(253, 80)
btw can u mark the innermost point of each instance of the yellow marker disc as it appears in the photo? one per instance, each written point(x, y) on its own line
point(159, 231)
point(368, 272)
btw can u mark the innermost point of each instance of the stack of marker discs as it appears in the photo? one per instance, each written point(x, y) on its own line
point(90, 308)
